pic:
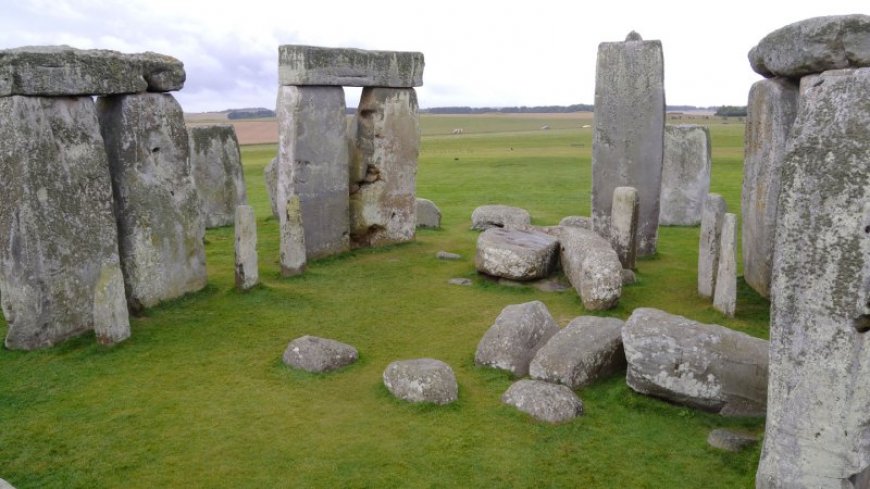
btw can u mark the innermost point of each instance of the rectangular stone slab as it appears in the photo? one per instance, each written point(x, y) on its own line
point(216, 167)
point(685, 174)
point(311, 65)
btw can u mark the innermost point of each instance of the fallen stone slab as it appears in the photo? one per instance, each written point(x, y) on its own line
point(544, 401)
point(317, 355)
point(705, 366)
point(67, 71)
point(216, 168)
point(422, 380)
point(515, 255)
point(814, 45)
point(685, 174)
point(731, 441)
point(592, 267)
point(428, 214)
point(520, 330)
point(589, 348)
point(466, 282)
point(312, 65)
point(500, 216)
point(446, 255)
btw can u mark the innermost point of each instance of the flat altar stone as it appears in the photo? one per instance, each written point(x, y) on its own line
point(312, 65)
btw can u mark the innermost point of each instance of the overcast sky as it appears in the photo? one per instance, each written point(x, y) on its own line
point(502, 53)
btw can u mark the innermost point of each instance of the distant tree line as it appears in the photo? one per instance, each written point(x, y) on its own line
point(731, 111)
point(250, 113)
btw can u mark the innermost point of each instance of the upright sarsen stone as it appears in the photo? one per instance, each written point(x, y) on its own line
point(685, 174)
point(59, 266)
point(629, 133)
point(623, 225)
point(216, 167)
point(709, 244)
point(160, 228)
point(247, 266)
point(725, 296)
point(313, 164)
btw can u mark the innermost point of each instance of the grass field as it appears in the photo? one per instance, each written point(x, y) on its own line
point(198, 397)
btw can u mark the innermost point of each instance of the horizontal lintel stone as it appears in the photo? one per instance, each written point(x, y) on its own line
point(311, 65)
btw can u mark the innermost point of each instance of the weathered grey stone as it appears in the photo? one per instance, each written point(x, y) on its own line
point(628, 277)
point(383, 209)
point(818, 424)
point(587, 350)
point(814, 45)
point(685, 174)
point(518, 333)
point(270, 176)
point(446, 255)
point(623, 225)
point(5, 485)
point(515, 254)
point(706, 366)
point(67, 71)
point(499, 216)
point(311, 65)
point(577, 221)
point(59, 265)
point(160, 228)
point(428, 214)
point(317, 355)
point(725, 297)
point(729, 440)
point(247, 267)
point(544, 401)
point(313, 164)
point(216, 168)
point(709, 244)
point(592, 267)
point(771, 112)
point(460, 281)
point(629, 133)
point(422, 380)
point(293, 250)
point(552, 284)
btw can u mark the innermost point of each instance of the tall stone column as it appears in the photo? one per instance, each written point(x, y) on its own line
point(216, 168)
point(629, 132)
point(685, 174)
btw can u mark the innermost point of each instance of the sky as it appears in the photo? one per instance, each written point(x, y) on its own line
point(479, 54)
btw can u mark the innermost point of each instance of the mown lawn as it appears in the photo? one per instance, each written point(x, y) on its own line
point(198, 397)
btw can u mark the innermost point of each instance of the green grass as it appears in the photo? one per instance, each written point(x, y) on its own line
point(198, 397)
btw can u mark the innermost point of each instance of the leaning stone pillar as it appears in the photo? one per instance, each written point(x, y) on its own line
point(629, 132)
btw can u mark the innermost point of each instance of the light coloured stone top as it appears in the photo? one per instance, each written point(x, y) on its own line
point(67, 71)
point(311, 65)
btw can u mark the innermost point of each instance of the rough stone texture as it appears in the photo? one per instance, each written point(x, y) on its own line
point(160, 228)
point(628, 277)
point(623, 225)
point(247, 266)
point(708, 244)
point(293, 255)
point(59, 264)
point(629, 133)
point(5, 485)
point(311, 65)
point(67, 71)
point(428, 214)
point(515, 254)
point(818, 424)
point(317, 355)
point(814, 45)
point(499, 216)
point(446, 255)
point(725, 297)
point(732, 441)
point(313, 164)
point(588, 349)
point(517, 335)
point(544, 401)
point(383, 207)
point(685, 174)
point(577, 221)
point(771, 112)
point(706, 366)
point(270, 175)
point(422, 380)
point(460, 281)
point(592, 267)
point(216, 168)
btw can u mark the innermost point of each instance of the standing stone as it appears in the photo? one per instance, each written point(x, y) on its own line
point(216, 167)
point(685, 174)
point(313, 164)
point(629, 133)
point(59, 265)
point(293, 254)
point(247, 268)
point(160, 229)
point(428, 214)
point(383, 208)
point(623, 225)
point(818, 421)
point(771, 112)
point(312, 65)
point(725, 296)
point(270, 177)
point(708, 247)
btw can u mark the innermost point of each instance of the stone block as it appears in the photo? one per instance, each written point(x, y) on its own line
point(500, 216)
point(544, 401)
point(712, 216)
point(422, 380)
point(318, 355)
point(592, 267)
point(311, 65)
point(623, 225)
point(725, 296)
point(428, 214)
point(515, 254)
point(293, 251)
point(520, 330)
point(247, 266)
point(216, 168)
point(685, 175)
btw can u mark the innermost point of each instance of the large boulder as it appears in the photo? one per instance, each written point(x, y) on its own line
point(317, 355)
point(499, 216)
point(428, 214)
point(706, 366)
point(588, 349)
point(544, 401)
point(515, 254)
point(517, 335)
point(685, 174)
point(592, 267)
point(216, 168)
point(312, 65)
point(422, 380)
